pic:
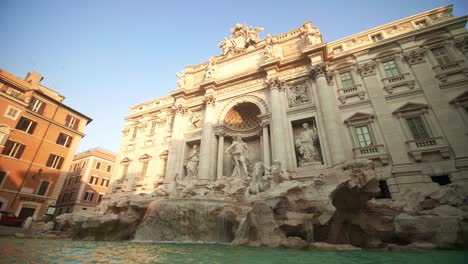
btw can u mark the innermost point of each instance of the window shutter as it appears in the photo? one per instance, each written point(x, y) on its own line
point(77, 123)
point(60, 161)
point(32, 127)
point(20, 151)
point(8, 146)
point(50, 160)
point(41, 108)
point(70, 139)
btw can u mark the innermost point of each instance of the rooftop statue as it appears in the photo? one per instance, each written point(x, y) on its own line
point(311, 34)
point(242, 37)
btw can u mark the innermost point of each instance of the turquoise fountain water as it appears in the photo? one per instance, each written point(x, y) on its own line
point(14, 250)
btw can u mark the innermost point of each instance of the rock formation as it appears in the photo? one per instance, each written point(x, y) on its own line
point(332, 211)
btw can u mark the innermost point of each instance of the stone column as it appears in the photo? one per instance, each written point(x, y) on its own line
point(206, 138)
point(219, 168)
point(277, 131)
point(265, 143)
point(176, 145)
point(330, 113)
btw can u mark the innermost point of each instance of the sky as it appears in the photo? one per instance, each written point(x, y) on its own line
point(106, 56)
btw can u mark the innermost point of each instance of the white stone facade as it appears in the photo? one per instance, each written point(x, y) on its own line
point(396, 94)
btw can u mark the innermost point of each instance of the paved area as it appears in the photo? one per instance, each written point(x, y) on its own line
point(10, 231)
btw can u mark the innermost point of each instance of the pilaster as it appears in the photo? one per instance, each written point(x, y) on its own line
point(206, 140)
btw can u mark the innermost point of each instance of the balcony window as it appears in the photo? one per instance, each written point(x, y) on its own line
point(441, 56)
point(54, 161)
point(417, 127)
point(390, 68)
point(72, 122)
point(346, 80)
point(363, 136)
point(64, 140)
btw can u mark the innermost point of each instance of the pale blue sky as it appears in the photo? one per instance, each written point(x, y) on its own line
point(106, 56)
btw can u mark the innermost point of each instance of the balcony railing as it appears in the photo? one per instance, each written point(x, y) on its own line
point(417, 147)
point(451, 66)
point(372, 152)
point(351, 91)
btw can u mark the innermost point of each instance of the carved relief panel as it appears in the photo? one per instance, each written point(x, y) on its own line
point(299, 94)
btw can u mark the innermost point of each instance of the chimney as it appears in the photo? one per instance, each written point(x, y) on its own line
point(33, 78)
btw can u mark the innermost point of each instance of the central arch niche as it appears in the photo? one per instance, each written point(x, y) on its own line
point(242, 119)
point(243, 116)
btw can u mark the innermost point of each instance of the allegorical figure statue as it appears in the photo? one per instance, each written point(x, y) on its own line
point(305, 144)
point(311, 34)
point(268, 52)
point(192, 162)
point(238, 151)
point(278, 175)
point(180, 80)
point(257, 183)
point(210, 69)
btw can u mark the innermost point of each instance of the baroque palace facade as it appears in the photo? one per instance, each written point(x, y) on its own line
point(396, 94)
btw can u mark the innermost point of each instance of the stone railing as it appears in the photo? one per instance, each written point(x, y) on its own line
point(352, 91)
point(451, 66)
point(417, 147)
point(443, 71)
point(404, 79)
point(372, 152)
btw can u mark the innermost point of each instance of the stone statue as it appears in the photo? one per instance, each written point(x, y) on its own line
point(192, 162)
point(306, 145)
point(278, 175)
point(210, 69)
point(241, 38)
point(180, 80)
point(268, 52)
point(311, 34)
point(238, 151)
point(257, 183)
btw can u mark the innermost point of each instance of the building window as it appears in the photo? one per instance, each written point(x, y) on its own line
point(363, 136)
point(13, 149)
point(124, 171)
point(417, 127)
point(384, 190)
point(98, 165)
point(70, 180)
point(153, 127)
point(88, 196)
point(144, 168)
point(421, 23)
point(376, 37)
point(100, 198)
point(109, 168)
point(70, 198)
point(36, 105)
point(337, 49)
point(93, 180)
point(105, 182)
point(72, 122)
point(83, 165)
point(54, 161)
point(2, 176)
point(26, 125)
point(12, 112)
point(390, 68)
point(441, 179)
point(4, 134)
point(346, 80)
point(43, 188)
point(441, 56)
point(64, 140)
point(78, 178)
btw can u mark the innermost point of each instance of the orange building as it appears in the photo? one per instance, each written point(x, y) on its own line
point(87, 181)
point(38, 137)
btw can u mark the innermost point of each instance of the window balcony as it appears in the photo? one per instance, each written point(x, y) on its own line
point(372, 152)
point(418, 147)
point(344, 93)
point(396, 81)
point(443, 71)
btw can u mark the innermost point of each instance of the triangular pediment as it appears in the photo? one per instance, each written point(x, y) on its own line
point(461, 98)
point(125, 160)
point(145, 157)
point(410, 107)
point(359, 116)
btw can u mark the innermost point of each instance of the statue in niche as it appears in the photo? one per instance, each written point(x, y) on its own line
point(311, 34)
point(298, 95)
point(210, 69)
point(238, 151)
point(268, 52)
point(257, 183)
point(241, 38)
point(191, 163)
point(278, 175)
point(306, 145)
point(180, 80)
